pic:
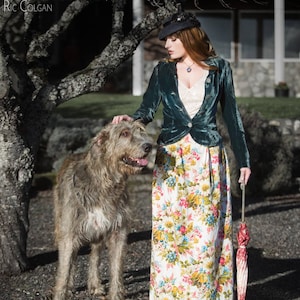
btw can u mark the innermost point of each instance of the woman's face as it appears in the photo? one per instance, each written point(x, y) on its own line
point(175, 47)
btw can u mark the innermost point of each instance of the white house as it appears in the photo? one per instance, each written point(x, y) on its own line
point(261, 42)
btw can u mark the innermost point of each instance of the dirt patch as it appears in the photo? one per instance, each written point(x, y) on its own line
point(274, 249)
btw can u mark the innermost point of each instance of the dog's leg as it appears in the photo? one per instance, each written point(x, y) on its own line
point(95, 286)
point(117, 250)
point(66, 258)
point(72, 271)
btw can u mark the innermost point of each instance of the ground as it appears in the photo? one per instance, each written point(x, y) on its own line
point(274, 249)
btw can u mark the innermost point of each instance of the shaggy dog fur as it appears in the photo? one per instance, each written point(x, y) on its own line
point(92, 207)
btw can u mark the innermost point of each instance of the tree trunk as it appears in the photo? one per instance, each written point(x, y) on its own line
point(15, 175)
point(27, 99)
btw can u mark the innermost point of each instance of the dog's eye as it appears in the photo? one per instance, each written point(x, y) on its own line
point(125, 133)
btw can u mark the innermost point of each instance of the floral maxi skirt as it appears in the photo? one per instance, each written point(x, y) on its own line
point(192, 251)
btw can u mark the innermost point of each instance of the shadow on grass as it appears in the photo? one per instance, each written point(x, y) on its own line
point(51, 257)
point(280, 204)
point(269, 279)
point(272, 279)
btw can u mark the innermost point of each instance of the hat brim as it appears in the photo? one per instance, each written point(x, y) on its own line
point(174, 27)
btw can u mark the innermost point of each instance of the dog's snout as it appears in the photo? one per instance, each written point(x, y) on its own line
point(147, 147)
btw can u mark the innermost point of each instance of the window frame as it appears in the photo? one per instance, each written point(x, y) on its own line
point(230, 13)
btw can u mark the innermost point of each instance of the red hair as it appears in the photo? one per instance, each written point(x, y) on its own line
point(197, 44)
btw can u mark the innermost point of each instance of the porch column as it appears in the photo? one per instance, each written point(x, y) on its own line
point(138, 57)
point(279, 40)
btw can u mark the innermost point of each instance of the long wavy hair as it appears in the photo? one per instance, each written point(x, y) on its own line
point(197, 44)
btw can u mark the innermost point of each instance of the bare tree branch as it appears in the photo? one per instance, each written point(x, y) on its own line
point(5, 14)
point(260, 2)
point(197, 5)
point(225, 4)
point(117, 20)
point(231, 4)
point(38, 47)
point(28, 14)
point(88, 79)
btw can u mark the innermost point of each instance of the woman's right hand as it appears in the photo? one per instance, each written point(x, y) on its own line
point(119, 118)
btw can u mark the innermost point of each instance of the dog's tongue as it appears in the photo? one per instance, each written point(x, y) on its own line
point(142, 161)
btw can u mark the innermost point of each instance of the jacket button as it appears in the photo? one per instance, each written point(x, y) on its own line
point(190, 125)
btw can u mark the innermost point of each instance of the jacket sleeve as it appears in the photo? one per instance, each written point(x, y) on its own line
point(232, 118)
point(151, 99)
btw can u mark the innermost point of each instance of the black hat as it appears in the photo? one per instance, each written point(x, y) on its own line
point(177, 22)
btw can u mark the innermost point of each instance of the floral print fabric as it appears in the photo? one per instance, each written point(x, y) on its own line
point(192, 227)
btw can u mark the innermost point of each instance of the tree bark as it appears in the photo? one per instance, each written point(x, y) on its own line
point(16, 170)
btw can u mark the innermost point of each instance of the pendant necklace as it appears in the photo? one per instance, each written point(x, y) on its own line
point(188, 69)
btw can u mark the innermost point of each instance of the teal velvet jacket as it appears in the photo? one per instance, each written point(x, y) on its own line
point(163, 88)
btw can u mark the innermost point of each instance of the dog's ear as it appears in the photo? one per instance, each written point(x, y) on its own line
point(101, 137)
point(98, 144)
point(140, 122)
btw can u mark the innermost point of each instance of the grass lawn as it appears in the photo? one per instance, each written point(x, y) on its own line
point(273, 108)
point(99, 105)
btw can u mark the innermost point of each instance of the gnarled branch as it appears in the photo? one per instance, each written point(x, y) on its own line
point(93, 77)
point(39, 45)
point(117, 20)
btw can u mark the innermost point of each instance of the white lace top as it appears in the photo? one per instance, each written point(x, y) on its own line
point(192, 98)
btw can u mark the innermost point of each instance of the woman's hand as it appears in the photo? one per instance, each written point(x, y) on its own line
point(118, 119)
point(244, 175)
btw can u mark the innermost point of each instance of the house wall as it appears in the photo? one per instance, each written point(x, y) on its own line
point(256, 79)
point(253, 78)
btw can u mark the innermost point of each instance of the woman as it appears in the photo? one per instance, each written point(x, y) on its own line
point(192, 251)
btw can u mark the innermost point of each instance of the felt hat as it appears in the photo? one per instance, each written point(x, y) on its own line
point(177, 22)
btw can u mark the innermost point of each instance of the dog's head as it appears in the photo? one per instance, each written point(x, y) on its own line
point(123, 146)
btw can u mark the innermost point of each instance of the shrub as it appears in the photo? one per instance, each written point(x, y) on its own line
point(270, 153)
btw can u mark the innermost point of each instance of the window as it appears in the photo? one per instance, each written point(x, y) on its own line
point(218, 26)
point(256, 35)
point(292, 35)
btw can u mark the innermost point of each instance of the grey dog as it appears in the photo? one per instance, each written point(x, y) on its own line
point(92, 207)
